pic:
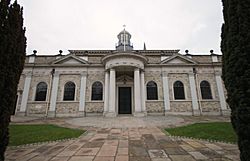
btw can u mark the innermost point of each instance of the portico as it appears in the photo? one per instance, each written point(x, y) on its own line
point(124, 82)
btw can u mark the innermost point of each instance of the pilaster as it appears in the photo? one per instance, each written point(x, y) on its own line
point(53, 99)
point(143, 93)
point(193, 88)
point(219, 84)
point(137, 93)
point(166, 92)
point(106, 94)
point(82, 94)
point(112, 86)
point(25, 93)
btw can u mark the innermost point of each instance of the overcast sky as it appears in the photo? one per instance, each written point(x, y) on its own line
point(94, 24)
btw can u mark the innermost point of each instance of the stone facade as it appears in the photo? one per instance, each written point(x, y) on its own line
point(155, 107)
point(115, 70)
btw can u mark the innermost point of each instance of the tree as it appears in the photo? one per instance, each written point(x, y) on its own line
point(12, 56)
point(235, 46)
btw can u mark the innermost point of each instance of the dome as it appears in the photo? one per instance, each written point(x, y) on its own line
point(124, 32)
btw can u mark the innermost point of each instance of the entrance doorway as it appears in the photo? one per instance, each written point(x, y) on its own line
point(124, 103)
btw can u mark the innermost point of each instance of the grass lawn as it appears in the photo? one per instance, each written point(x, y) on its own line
point(221, 131)
point(27, 134)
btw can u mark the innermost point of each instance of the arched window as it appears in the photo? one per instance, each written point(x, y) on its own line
point(152, 93)
point(97, 91)
point(69, 91)
point(41, 91)
point(205, 90)
point(179, 93)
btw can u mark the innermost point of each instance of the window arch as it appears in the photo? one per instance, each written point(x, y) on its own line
point(152, 93)
point(41, 91)
point(205, 90)
point(97, 91)
point(179, 93)
point(69, 91)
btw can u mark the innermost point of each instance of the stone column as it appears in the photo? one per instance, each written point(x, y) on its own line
point(219, 84)
point(106, 94)
point(25, 93)
point(195, 104)
point(166, 93)
point(112, 96)
point(82, 94)
point(137, 93)
point(143, 94)
point(52, 107)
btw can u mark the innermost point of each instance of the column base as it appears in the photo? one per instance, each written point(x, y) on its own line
point(109, 114)
point(20, 113)
point(167, 112)
point(140, 114)
point(226, 112)
point(51, 114)
point(81, 113)
point(196, 113)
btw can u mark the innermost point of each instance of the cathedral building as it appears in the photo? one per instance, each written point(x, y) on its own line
point(123, 81)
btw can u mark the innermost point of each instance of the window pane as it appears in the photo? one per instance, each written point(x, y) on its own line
point(97, 91)
point(152, 93)
point(69, 91)
point(205, 90)
point(41, 91)
point(179, 90)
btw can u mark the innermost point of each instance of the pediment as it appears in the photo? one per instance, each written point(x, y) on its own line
point(70, 60)
point(178, 59)
point(124, 78)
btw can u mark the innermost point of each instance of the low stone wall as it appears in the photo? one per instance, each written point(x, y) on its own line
point(67, 108)
point(181, 106)
point(155, 106)
point(94, 107)
point(210, 106)
point(36, 108)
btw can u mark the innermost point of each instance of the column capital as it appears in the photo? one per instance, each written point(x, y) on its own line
point(28, 74)
point(136, 69)
point(217, 73)
point(191, 74)
point(112, 69)
point(83, 74)
point(165, 74)
point(56, 74)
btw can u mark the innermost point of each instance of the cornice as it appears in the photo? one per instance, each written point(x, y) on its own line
point(124, 54)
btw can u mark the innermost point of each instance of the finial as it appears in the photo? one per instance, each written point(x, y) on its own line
point(60, 52)
point(124, 26)
point(211, 51)
point(34, 52)
point(186, 51)
point(144, 46)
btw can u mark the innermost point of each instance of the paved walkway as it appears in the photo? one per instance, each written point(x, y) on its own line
point(125, 144)
point(127, 121)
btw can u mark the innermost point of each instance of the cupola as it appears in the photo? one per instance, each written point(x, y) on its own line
point(124, 43)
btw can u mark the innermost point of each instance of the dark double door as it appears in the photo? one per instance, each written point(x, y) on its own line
point(124, 102)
